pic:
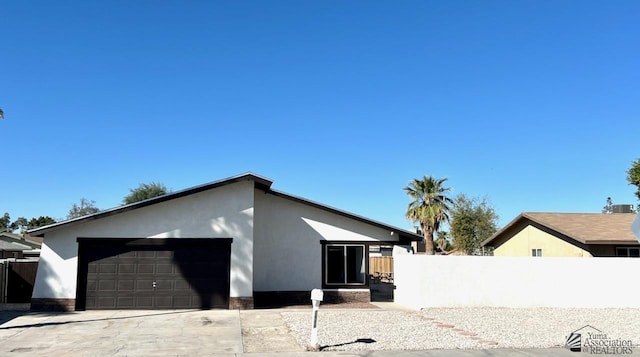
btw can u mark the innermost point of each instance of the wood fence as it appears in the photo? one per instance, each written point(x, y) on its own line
point(16, 281)
point(381, 267)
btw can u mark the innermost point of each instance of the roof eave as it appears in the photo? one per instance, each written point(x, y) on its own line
point(611, 242)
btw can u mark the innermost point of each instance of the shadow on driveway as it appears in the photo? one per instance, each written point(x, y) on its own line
point(6, 316)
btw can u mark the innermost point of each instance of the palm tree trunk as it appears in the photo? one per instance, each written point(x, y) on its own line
point(429, 247)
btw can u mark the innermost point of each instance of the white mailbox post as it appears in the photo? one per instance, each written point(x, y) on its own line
point(316, 297)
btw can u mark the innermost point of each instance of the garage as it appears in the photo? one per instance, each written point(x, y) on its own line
point(172, 273)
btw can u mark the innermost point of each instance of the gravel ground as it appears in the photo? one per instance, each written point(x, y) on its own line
point(458, 328)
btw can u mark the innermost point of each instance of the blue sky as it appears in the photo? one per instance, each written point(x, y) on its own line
point(534, 104)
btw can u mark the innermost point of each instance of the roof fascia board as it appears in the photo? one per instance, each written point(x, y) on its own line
point(613, 242)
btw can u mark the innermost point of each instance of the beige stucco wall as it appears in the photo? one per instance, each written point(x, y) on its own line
point(533, 238)
point(288, 252)
point(224, 212)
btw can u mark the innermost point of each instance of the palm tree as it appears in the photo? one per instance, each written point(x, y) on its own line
point(429, 206)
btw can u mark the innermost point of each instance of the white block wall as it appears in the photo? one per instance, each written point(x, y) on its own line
point(469, 281)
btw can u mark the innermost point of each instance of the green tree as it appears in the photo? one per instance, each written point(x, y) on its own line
point(145, 191)
point(41, 222)
point(429, 207)
point(20, 224)
point(633, 176)
point(5, 223)
point(443, 242)
point(472, 221)
point(85, 208)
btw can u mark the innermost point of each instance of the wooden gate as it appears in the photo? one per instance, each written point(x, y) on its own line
point(21, 276)
point(381, 278)
point(381, 268)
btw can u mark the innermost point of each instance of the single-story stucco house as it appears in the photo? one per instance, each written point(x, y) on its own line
point(225, 244)
point(566, 235)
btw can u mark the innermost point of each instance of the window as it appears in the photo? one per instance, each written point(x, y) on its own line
point(536, 252)
point(344, 264)
point(632, 252)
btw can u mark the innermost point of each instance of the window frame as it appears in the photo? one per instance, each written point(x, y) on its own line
point(536, 252)
point(627, 249)
point(344, 245)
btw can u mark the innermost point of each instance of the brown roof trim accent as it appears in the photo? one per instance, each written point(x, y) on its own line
point(613, 242)
point(260, 182)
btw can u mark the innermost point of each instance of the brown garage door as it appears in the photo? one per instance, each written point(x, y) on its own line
point(153, 273)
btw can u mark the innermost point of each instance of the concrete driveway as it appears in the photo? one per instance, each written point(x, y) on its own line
point(139, 333)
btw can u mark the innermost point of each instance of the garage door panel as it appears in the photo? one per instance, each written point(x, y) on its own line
point(144, 302)
point(184, 302)
point(182, 285)
point(186, 276)
point(126, 284)
point(145, 268)
point(163, 284)
point(126, 302)
point(144, 285)
point(144, 254)
point(164, 254)
point(164, 268)
point(108, 302)
point(107, 285)
point(107, 268)
point(126, 268)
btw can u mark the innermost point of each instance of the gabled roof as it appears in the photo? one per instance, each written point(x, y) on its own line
point(585, 228)
point(260, 183)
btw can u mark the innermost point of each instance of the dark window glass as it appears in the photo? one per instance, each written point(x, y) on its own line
point(355, 265)
point(335, 265)
point(345, 264)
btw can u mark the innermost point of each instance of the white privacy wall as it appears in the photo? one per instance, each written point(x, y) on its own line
point(471, 281)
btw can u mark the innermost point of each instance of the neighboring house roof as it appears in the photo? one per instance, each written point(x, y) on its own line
point(19, 239)
point(13, 246)
point(585, 228)
point(260, 182)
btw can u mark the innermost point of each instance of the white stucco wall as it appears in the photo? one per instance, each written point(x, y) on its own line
point(224, 212)
point(466, 281)
point(288, 253)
